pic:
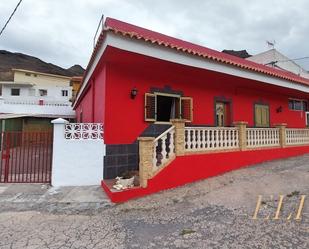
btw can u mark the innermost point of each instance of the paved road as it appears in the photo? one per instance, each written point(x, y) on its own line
point(214, 213)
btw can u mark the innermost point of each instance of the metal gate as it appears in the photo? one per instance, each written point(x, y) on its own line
point(26, 157)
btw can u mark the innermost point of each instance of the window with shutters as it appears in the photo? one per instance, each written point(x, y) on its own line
point(261, 113)
point(161, 107)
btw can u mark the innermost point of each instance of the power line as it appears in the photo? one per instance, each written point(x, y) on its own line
point(296, 59)
point(10, 17)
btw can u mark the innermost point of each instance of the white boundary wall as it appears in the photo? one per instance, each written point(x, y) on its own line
point(78, 152)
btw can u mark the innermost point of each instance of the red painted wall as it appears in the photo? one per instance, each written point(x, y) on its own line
point(186, 169)
point(125, 117)
point(93, 103)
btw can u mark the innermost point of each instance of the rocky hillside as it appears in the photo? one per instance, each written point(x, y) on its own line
point(9, 60)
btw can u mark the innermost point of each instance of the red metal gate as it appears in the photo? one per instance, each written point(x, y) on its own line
point(26, 157)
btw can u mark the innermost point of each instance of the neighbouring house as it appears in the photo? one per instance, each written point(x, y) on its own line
point(75, 84)
point(31, 99)
point(273, 58)
point(178, 112)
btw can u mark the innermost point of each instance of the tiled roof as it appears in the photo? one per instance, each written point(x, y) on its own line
point(135, 32)
point(139, 33)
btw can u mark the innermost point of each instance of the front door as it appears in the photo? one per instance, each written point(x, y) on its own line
point(221, 114)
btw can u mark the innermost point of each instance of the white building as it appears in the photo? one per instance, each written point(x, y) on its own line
point(273, 58)
point(36, 94)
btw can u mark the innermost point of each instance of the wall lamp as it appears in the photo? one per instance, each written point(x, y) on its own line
point(134, 92)
point(279, 109)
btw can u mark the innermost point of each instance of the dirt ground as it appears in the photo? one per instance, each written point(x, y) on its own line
point(213, 213)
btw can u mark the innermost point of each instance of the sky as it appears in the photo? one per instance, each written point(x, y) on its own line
point(62, 31)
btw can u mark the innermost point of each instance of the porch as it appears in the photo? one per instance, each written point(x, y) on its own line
point(183, 154)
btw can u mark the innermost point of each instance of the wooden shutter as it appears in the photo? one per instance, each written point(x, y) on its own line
point(258, 116)
point(187, 109)
point(150, 107)
point(265, 116)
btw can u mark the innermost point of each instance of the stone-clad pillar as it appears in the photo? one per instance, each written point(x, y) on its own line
point(179, 136)
point(242, 125)
point(282, 134)
point(146, 150)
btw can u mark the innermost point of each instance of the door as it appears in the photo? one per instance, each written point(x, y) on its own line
point(261, 115)
point(222, 114)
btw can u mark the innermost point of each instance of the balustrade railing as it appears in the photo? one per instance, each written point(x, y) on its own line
point(211, 138)
point(262, 137)
point(297, 136)
point(164, 148)
point(181, 140)
point(37, 102)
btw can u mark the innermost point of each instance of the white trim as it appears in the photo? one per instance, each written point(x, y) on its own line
point(91, 70)
point(172, 55)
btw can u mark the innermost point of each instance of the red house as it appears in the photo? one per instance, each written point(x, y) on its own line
point(179, 112)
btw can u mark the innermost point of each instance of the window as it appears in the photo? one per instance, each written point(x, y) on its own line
point(163, 107)
point(64, 93)
point(15, 91)
point(28, 74)
point(43, 92)
point(261, 115)
point(0, 90)
point(305, 106)
point(298, 105)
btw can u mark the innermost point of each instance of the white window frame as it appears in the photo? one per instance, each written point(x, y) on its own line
point(307, 118)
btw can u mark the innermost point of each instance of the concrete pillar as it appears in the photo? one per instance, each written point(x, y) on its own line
point(242, 125)
point(179, 136)
point(146, 153)
point(58, 141)
point(282, 134)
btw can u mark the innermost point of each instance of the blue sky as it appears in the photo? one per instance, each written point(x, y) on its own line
point(61, 31)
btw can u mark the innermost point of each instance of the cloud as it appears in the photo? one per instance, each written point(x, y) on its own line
point(61, 31)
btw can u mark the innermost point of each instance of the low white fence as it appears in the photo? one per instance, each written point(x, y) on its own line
point(78, 152)
point(211, 138)
point(262, 137)
point(164, 148)
point(297, 136)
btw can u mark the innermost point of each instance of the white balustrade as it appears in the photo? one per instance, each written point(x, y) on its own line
point(83, 131)
point(164, 148)
point(262, 137)
point(297, 136)
point(211, 138)
point(37, 102)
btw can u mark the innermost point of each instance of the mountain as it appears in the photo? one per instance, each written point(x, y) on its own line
point(9, 60)
point(76, 70)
